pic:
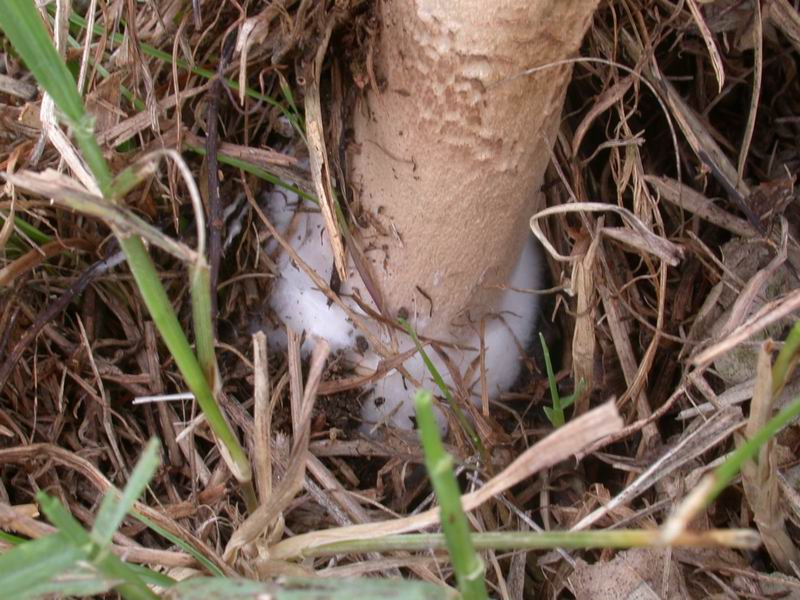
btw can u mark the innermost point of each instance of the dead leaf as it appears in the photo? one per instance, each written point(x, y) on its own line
point(636, 574)
point(318, 157)
point(583, 339)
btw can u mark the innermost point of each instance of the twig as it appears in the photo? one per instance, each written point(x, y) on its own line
point(215, 216)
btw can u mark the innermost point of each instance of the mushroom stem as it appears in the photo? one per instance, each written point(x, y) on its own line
point(451, 153)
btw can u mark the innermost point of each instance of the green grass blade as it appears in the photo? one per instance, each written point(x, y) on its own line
point(254, 170)
point(10, 538)
point(182, 544)
point(782, 369)
point(26, 228)
point(467, 565)
point(80, 581)
point(292, 588)
point(27, 33)
point(59, 516)
point(555, 414)
point(786, 360)
point(568, 401)
point(150, 577)
point(160, 309)
point(112, 509)
point(437, 379)
point(130, 587)
point(286, 90)
point(199, 280)
point(33, 562)
point(725, 473)
point(50, 567)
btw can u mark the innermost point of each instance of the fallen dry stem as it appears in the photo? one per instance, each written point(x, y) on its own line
point(709, 434)
point(559, 445)
point(318, 155)
point(769, 313)
point(262, 418)
point(69, 193)
point(643, 239)
point(260, 520)
point(688, 199)
point(547, 540)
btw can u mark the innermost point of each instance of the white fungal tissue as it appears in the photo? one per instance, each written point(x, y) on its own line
point(299, 303)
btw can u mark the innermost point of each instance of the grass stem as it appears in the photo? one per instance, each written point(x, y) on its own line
point(467, 565)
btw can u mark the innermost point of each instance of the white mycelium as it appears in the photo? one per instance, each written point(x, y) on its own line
point(298, 302)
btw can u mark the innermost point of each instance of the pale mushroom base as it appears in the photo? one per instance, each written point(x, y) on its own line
point(297, 301)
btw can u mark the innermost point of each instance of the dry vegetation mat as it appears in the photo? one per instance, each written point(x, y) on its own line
point(153, 442)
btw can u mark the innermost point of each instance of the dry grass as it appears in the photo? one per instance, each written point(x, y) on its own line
point(672, 235)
